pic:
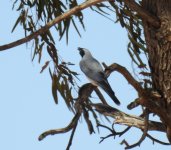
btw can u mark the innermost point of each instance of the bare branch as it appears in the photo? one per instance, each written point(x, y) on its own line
point(134, 104)
point(128, 120)
point(144, 132)
point(156, 140)
point(113, 132)
point(62, 130)
point(125, 73)
point(71, 137)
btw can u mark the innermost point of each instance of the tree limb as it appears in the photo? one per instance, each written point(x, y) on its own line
point(125, 73)
point(128, 120)
point(62, 130)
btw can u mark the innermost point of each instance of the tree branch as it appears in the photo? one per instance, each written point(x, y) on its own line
point(144, 14)
point(146, 120)
point(58, 19)
point(128, 120)
point(131, 3)
point(83, 94)
point(113, 132)
point(62, 130)
point(71, 137)
point(125, 73)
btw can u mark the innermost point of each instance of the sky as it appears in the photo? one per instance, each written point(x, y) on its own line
point(26, 105)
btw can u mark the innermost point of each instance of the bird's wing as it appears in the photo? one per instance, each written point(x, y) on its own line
point(92, 69)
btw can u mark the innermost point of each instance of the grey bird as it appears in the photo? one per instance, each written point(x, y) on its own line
point(94, 72)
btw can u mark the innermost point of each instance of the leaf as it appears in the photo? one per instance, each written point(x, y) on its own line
point(75, 26)
point(54, 88)
point(51, 49)
point(88, 121)
point(66, 29)
point(16, 23)
point(40, 8)
point(40, 51)
point(50, 72)
point(50, 36)
point(44, 66)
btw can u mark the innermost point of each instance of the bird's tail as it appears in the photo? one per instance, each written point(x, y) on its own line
point(107, 88)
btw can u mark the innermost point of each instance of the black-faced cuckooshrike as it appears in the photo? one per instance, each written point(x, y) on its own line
point(94, 72)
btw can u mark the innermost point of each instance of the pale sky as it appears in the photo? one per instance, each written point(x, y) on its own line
point(26, 105)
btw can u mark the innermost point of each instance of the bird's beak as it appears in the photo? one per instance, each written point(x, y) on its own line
point(79, 48)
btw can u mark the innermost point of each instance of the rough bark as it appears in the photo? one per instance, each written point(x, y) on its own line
point(159, 53)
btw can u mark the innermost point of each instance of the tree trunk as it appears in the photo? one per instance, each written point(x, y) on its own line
point(159, 53)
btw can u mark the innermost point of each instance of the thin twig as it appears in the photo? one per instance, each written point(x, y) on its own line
point(144, 132)
point(113, 132)
point(156, 140)
point(134, 104)
point(71, 137)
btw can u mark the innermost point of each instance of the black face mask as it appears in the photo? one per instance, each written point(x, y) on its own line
point(82, 53)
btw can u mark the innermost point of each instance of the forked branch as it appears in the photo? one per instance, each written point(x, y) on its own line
point(128, 120)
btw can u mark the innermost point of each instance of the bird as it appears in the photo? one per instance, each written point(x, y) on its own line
point(95, 73)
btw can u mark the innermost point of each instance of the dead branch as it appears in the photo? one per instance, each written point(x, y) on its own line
point(128, 120)
point(134, 104)
point(146, 120)
point(114, 133)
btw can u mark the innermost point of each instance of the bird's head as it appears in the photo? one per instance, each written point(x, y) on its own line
point(84, 52)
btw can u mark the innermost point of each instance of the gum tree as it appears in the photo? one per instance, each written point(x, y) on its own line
point(148, 25)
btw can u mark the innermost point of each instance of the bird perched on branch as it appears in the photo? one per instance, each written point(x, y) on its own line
point(94, 72)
